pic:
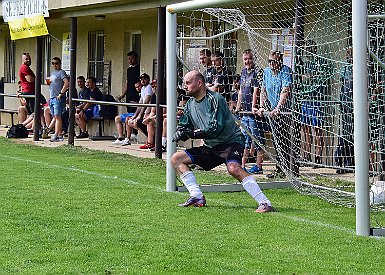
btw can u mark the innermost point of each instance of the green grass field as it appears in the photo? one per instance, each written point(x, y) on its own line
point(75, 211)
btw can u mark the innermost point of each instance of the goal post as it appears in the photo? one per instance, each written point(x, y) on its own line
point(360, 101)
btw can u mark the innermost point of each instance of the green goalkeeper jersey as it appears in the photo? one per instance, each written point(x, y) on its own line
point(212, 115)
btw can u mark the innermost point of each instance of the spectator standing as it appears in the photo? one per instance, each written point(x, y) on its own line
point(314, 90)
point(207, 116)
point(345, 147)
point(275, 97)
point(222, 78)
point(249, 93)
point(27, 83)
point(133, 73)
point(87, 110)
point(58, 86)
point(206, 62)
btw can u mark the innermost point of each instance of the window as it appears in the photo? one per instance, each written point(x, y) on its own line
point(46, 62)
point(96, 44)
point(9, 61)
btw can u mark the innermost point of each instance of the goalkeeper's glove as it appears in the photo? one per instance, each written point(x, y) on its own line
point(182, 134)
point(185, 133)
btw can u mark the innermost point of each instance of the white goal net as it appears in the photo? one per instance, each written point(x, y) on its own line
point(311, 140)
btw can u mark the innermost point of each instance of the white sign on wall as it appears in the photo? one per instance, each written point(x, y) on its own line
point(66, 52)
point(17, 9)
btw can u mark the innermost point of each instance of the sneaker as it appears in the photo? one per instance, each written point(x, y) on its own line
point(163, 149)
point(193, 201)
point(125, 142)
point(264, 207)
point(55, 138)
point(255, 170)
point(83, 135)
point(119, 141)
point(45, 135)
point(147, 146)
point(277, 174)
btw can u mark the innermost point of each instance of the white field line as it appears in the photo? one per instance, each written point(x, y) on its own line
point(221, 202)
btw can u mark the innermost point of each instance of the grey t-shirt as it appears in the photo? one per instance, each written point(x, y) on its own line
point(57, 82)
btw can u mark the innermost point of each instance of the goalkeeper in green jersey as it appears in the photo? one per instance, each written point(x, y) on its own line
point(207, 116)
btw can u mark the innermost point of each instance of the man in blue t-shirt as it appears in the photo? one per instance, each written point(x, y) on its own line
point(206, 116)
point(275, 98)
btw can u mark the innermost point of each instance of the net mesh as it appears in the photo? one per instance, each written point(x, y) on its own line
point(311, 140)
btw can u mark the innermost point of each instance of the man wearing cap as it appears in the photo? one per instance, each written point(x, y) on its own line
point(135, 122)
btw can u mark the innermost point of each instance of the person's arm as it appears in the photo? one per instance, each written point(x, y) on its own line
point(124, 91)
point(64, 88)
point(285, 92)
point(256, 100)
point(146, 100)
point(30, 78)
point(262, 100)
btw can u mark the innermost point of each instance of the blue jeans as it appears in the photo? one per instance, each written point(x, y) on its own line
point(255, 128)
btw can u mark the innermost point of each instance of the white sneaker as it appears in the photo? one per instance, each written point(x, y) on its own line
point(126, 141)
point(117, 142)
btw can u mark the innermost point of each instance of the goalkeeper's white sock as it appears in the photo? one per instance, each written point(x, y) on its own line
point(191, 184)
point(252, 187)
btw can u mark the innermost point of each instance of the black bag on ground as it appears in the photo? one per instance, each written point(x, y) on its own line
point(17, 131)
point(109, 111)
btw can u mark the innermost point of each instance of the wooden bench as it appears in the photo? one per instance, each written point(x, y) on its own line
point(9, 111)
point(100, 136)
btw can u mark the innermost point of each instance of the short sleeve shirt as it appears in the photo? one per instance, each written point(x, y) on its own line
point(26, 87)
point(57, 82)
point(275, 83)
point(248, 81)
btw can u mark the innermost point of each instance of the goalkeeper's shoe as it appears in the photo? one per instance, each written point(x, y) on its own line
point(193, 201)
point(264, 207)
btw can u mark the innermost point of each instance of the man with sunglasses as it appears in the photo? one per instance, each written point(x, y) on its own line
point(275, 98)
point(58, 86)
point(27, 81)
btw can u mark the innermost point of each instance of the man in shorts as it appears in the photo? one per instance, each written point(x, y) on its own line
point(207, 116)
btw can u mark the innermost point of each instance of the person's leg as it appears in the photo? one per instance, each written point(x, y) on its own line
point(246, 151)
point(164, 133)
point(129, 127)
point(248, 182)
point(234, 168)
point(22, 113)
point(27, 122)
point(82, 122)
point(47, 116)
point(151, 133)
point(58, 125)
point(180, 162)
point(119, 127)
